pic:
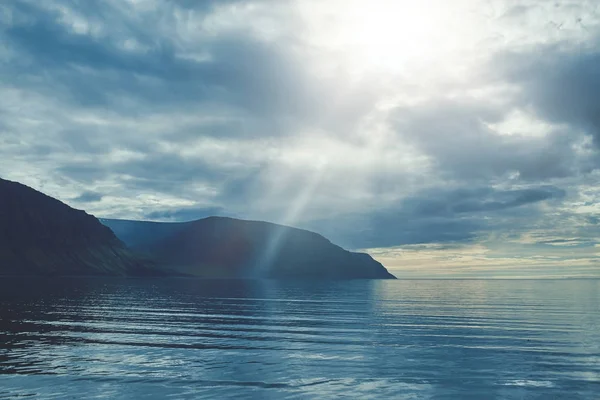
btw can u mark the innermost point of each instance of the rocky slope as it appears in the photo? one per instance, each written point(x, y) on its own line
point(40, 235)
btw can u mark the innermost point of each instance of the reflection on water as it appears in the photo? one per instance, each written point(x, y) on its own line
point(186, 338)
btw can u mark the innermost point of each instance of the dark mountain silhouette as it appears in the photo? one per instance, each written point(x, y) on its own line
point(140, 233)
point(40, 235)
point(227, 247)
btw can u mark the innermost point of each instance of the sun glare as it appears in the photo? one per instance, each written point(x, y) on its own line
point(393, 36)
point(389, 34)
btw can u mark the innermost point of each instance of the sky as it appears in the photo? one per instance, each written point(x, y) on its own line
point(447, 139)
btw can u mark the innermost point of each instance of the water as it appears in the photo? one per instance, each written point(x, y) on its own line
point(185, 338)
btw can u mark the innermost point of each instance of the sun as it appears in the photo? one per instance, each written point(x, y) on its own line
point(391, 35)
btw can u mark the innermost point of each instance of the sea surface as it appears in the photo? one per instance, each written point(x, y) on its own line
point(188, 339)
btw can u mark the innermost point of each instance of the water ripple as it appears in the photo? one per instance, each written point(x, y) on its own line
point(120, 339)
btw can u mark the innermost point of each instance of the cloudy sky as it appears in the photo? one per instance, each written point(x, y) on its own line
point(447, 138)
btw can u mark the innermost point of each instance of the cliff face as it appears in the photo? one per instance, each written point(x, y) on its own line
point(227, 247)
point(40, 235)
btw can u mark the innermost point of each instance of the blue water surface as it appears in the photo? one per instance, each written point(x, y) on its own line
point(185, 339)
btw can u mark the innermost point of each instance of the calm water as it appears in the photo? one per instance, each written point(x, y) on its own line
point(180, 338)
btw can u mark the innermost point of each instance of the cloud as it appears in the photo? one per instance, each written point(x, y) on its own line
point(88, 197)
point(459, 136)
point(560, 84)
point(94, 69)
point(185, 214)
point(445, 215)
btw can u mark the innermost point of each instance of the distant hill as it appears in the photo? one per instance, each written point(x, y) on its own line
point(226, 247)
point(40, 235)
point(141, 233)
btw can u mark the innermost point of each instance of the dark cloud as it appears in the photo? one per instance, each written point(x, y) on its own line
point(468, 200)
point(207, 5)
point(88, 197)
point(498, 200)
point(170, 174)
point(456, 134)
point(158, 172)
point(83, 172)
point(441, 215)
point(561, 84)
point(239, 70)
point(183, 214)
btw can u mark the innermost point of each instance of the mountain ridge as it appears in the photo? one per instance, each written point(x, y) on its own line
point(228, 247)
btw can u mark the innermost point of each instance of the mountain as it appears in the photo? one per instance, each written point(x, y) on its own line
point(226, 247)
point(140, 233)
point(40, 235)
